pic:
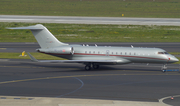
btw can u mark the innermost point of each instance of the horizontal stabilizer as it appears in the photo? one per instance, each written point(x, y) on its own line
point(32, 58)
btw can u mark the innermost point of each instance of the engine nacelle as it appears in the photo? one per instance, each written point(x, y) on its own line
point(58, 50)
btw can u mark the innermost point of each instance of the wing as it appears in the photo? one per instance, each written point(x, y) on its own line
point(121, 61)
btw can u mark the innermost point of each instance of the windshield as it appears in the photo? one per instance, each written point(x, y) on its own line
point(163, 53)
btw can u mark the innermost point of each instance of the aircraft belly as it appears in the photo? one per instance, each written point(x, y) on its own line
point(118, 60)
point(90, 57)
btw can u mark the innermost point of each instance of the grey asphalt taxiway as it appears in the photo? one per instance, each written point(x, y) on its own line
point(132, 82)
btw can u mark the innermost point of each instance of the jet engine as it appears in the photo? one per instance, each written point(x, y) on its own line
point(58, 50)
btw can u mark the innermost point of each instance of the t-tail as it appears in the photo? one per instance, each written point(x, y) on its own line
point(45, 38)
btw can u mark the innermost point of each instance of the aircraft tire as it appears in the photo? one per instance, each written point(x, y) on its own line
point(164, 71)
point(95, 66)
point(87, 67)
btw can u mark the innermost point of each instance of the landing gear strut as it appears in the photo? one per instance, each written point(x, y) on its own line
point(91, 65)
point(164, 68)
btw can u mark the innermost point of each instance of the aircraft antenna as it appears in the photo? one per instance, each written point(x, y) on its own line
point(132, 46)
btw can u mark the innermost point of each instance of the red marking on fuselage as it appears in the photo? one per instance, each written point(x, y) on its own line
point(106, 55)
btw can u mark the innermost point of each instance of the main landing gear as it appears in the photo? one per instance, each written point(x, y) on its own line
point(164, 68)
point(91, 65)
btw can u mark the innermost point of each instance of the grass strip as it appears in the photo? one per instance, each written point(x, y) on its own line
point(39, 56)
point(103, 8)
point(94, 33)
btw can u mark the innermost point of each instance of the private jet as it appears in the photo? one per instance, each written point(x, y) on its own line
point(94, 56)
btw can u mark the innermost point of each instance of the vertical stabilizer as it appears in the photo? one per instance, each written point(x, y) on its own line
point(45, 38)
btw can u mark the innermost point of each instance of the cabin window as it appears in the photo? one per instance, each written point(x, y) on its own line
point(134, 53)
point(94, 52)
point(129, 53)
point(98, 52)
point(89, 52)
point(116, 53)
point(85, 51)
point(112, 52)
point(125, 53)
point(121, 53)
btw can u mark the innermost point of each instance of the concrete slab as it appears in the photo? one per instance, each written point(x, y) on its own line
point(44, 101)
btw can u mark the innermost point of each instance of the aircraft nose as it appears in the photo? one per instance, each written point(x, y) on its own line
point(173, 59)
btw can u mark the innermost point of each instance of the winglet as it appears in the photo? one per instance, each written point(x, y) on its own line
point(32, 58)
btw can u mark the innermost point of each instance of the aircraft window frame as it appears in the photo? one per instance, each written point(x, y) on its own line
point(162, 53)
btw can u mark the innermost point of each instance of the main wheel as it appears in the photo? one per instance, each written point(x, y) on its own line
point(87, 67)
point(95, 66)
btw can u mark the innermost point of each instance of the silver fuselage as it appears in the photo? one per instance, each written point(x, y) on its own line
point(125, 54)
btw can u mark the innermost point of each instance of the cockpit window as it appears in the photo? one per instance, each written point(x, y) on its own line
point(163, 53)
point(160, 52)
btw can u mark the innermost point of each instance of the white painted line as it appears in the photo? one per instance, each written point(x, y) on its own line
point(96, 21)
point(82, 84)
point(162, 99)
point(16, 19)
point(3, 48)
point(4, 59)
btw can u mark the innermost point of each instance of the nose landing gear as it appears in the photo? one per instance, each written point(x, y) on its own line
point(164, 68)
